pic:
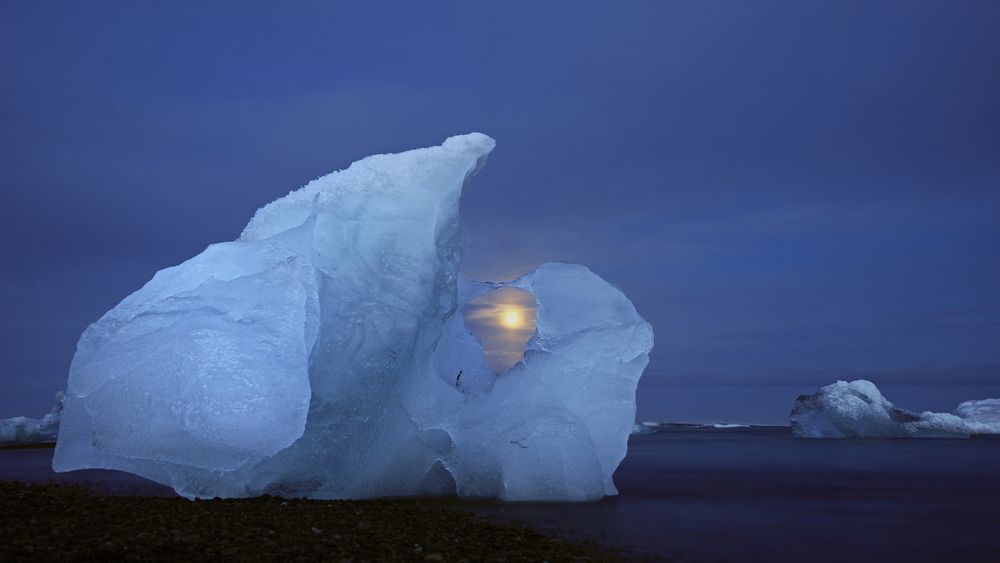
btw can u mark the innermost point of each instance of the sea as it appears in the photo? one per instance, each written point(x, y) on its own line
point(700, 493)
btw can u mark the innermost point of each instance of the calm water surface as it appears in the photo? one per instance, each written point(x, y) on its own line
point(750, 495)
point(760, 495)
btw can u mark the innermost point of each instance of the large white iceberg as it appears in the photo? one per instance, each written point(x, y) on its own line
point(323, 354)
point(21, 430)
point(857, 409)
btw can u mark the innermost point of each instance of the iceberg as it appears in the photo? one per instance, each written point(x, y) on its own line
point(643, 428)
point(980, 417)
point(21, 430)
point(857, 409)
point(323, 354)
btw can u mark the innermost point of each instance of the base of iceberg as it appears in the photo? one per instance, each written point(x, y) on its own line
point(323, 354)
point(857, 409)
point(21, 430)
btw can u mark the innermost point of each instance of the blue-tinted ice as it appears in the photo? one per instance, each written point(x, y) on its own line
point(857, 409)
point(318, 354)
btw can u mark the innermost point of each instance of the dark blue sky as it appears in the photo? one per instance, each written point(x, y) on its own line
point(790, 192)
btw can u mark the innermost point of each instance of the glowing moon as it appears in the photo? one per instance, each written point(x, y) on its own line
point(511, 318)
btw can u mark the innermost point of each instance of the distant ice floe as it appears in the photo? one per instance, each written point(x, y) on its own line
point(21, 430)
point(650, 427)
point(641, 428)
point(981, 417)
point(857, 409)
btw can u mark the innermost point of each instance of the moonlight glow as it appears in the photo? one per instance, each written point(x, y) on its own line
point(511, 318)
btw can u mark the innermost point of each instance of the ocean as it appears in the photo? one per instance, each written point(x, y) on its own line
point(747, 494)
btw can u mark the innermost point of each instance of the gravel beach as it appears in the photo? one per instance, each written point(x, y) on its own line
point(69, 523)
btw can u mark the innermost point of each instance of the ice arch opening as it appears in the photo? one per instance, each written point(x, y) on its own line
point(503, 320)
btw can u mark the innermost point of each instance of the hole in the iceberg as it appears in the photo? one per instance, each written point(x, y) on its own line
point(504, 321)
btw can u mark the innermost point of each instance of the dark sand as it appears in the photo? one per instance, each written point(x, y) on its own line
point(71, 523)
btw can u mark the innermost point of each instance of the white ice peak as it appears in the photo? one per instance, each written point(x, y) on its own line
point(317, 355)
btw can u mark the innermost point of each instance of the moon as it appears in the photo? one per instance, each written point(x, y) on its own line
point(511, 318)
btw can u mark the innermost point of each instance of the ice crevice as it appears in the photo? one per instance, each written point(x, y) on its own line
point(315, 356)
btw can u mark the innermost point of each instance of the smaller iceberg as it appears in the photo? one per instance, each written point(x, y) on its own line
point(857, 409)
point(21, 430)
point(981, 417)
point(643, 428)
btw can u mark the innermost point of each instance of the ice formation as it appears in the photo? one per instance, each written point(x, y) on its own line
point(857, 409)
point(643, 428)
point(980, 417)
point(24, 430)
point(319, 355)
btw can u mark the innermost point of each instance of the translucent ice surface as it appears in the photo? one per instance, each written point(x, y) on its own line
point(323, 354)
point(857, 409)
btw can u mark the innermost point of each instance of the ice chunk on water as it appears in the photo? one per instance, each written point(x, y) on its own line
point(319, 355)
point(981, 417)
point(643, 428)
point(24, 430)
point(857, 409)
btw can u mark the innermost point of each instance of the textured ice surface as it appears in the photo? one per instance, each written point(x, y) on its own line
point(318, 355)
point(857, 409)
point(981, 417)
point(24, 430)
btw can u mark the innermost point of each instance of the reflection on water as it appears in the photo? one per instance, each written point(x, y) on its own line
point(503, 320)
